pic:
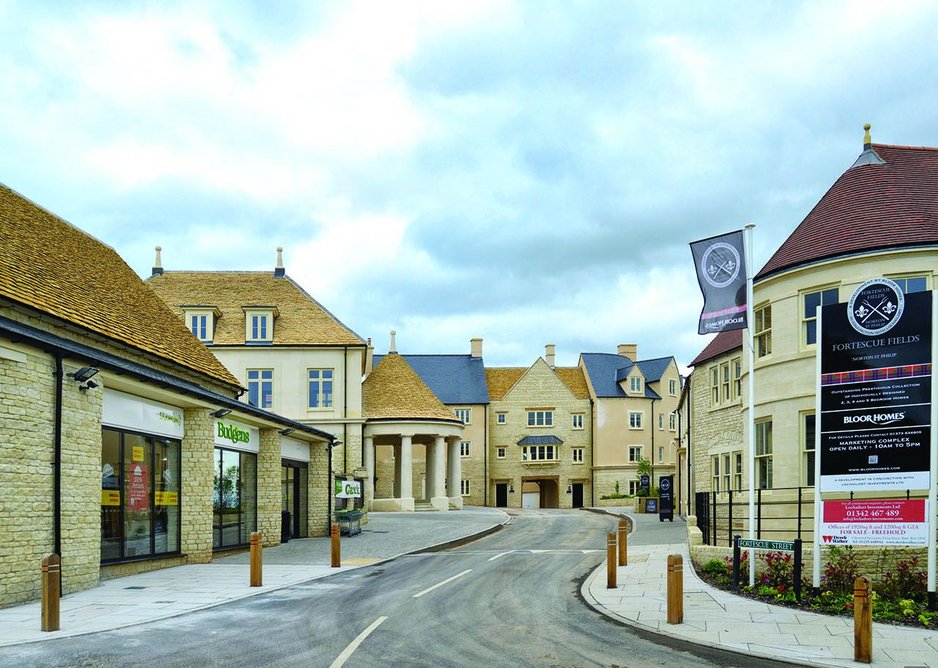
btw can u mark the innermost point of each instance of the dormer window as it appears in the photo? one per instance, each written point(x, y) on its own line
point(635, 384)
point(201, 322)
point(259, 324)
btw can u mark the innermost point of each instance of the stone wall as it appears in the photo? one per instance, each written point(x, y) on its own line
point(269, 491)
point(715, 429)
point(198, 475)
point(319, 490)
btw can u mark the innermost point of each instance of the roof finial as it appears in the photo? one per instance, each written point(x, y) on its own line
point(393, 349)
point(279, 270)
point(158, 263)
point(867, 140)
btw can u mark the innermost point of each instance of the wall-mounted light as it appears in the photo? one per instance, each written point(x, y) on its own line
point(569, 489)
point(84, 374)
point(287, 431)
point(511, 488)
point(220, 413)
point(89, 385)
point(336, 443)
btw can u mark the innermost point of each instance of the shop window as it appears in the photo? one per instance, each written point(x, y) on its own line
point(234, 498)
point(320, 388)
point(811, 302)
point(762, 332)
point(261, 387)
point(140, 504)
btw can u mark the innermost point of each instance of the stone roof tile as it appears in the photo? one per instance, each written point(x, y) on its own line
point(393, 390)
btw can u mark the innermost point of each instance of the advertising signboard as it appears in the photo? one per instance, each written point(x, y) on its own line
point(875, 390)
point(721, 272)
point(348, 489)
point(875, 522)
point(666, 498)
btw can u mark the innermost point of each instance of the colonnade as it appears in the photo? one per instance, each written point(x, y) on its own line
point(443, 476)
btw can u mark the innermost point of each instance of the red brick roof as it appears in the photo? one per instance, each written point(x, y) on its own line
point(722, 343)
point(870, 207)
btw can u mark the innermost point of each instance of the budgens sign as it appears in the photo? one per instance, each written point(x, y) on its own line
point(348, 489)
point(229, 434)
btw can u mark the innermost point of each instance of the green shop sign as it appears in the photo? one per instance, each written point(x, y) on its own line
point(232, 433)
point(348, 489)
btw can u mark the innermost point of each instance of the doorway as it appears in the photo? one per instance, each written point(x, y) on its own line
point(501, 495)
point(577, 501)
point(293, 480)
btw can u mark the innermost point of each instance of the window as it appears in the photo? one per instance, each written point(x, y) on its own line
point(672, 421)
point(635, 453)
point(464, 487)
point(541, 418)
point(634, 486)
point(714, 386)
point(660, 454)
point(807, 440)
point(577, 455)
point(201, 324)
point(635, 419)
point(235, 498)
point(715, 473)
point(672, 387)
point(660, 420)
point(737, 378)
point(261, 387)
point(501, 418)
point(501, 453)
point(539, 453)
point(635, 384)
point(725, 382)
point(464, 448)
point(464, 415)
point(726, 472)
point(810, 303)
point(764, 454)
point(739, 471)
point(320, 388)
point(140, 501)
point(259, 324)
point(911, 284)
point(762, 332)
point(577, 421)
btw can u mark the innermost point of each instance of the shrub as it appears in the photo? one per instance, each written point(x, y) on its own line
point(841, 571)
point(905, 582)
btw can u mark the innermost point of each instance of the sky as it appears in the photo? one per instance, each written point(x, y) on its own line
point(526, 172)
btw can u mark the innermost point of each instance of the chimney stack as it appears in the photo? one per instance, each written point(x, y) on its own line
point(369, 358)
point(549, 354)
point(393, 349)
point(629, 350)
point(279, 271)
point(158, 263)
point(475, 346)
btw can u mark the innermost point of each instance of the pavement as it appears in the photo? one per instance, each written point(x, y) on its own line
point(717, 618)
point(138, 599)
point(712, 616)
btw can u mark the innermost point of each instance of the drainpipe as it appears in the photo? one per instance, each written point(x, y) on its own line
point(345, 410)
point(652, 481)
point(592, 455)
point(330, 488)
point(485, 454)
point(57, 462)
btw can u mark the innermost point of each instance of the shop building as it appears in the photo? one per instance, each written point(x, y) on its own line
point(125, 447)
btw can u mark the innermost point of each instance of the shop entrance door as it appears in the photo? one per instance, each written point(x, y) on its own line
point(293, 485)
point(501, 495)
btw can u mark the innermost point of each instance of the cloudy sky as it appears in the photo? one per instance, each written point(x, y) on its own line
point(526, 172)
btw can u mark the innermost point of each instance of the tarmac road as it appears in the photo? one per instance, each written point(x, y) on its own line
point(509, 599)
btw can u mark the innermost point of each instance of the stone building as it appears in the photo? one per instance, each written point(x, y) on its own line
point(293, 356)
point(125, 448)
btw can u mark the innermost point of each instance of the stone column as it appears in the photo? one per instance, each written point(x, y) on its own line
point(198, 453)
point(369, 453)
point(436, 474)
point(397, 471)
point(269, 492)
point(454, 475)
point(406, 477)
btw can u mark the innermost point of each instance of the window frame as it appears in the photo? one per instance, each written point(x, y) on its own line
point(259, 325)
point(545, 415)
point(672, 387)
point(465, 449)
point(576, 455)
point(577, 421)
point(325, 401)
point(762, 330)
point(258, 387)
point(635, 384)
point(501, 452)
point(465, 487)
point(636, 449)
point(501, 418)
point(809, 322)
point(808, 453)
point(763, 453)
point(540, 453)
point(903, 282)
point(464, 415)
point(636, 424)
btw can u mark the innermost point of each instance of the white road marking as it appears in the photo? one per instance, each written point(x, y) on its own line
point(501, 555)
point(440, 584)
point(347, 652)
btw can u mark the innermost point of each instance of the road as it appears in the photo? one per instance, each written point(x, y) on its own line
point(509, 599)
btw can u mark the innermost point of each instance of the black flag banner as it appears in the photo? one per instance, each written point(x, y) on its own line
point(721, 272)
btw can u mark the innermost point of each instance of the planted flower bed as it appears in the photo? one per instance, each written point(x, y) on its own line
point(900, 596)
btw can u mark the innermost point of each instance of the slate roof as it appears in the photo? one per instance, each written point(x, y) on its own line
point(301, 320)
point(454, 379)
point(872, 206)
point(540, 440)
point(53, 267)
point(605, 368)
point(393, 390)
point(722, 343)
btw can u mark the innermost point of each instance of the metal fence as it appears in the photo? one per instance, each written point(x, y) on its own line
point(785, 513)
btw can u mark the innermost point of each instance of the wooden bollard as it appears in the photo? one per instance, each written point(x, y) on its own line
point(611, 560)
point(257, 565)
point(50, 570)
point(862, 620)
point(675, 589)
point(336, 546)
point(623, 542)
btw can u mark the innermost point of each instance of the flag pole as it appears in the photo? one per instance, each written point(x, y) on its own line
point(750, 324)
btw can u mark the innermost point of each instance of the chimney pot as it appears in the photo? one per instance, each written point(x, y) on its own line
point(475, 347)
point(158, 263)
point(279, 270)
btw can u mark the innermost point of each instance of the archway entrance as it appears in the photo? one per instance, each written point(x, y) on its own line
point(540, 493)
